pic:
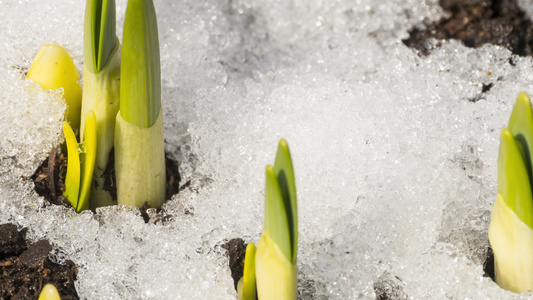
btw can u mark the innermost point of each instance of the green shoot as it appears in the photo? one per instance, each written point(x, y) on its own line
point(521, 126)
point(100, 33)
point(140, 88)
point(285, 176)
point(281, 212)
point(101, 88)
point(275, 257)
point(511, 225)
point(139, 143)
point(513, 180)
point(276, 221)
point(515, 158)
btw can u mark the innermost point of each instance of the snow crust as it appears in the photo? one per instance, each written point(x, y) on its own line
point(395, 154)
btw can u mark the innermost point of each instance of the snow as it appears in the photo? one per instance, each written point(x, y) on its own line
point(395, 154)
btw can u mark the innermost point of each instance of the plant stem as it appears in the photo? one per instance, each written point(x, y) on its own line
point(101, 93)
point(140, 163)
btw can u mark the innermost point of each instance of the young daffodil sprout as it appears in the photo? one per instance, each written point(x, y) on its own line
point(49, 292)
point(511, 226)
point(80, 169)
point(53, 68)
point(101, 86)
point(246, 285)
point(139, 144)
point(275, 258)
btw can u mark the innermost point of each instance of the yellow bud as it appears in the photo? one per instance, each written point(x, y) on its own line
point(49, 292)
point(512, 241)
point(53, 68)
point(276, 277)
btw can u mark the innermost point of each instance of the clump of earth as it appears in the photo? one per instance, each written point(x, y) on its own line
point(26, 267)
point(475, 23)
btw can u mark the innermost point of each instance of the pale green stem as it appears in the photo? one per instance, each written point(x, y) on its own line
point(140, 163)
point(101, 93)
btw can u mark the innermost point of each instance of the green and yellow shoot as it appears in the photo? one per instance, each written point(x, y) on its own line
point(139, 144)
point(136, 132)
point(80, 166)
point(53, 68)
point(281, 214)
point(100, 34)
point(511, 227)
point(276, 273)
point(101, 87)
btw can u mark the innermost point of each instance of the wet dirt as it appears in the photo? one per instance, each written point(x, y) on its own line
point(475, 23)
point(26, 267)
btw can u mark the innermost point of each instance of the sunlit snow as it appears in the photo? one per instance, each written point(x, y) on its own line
point(395, 164)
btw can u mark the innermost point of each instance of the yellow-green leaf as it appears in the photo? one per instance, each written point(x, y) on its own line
point(72, 180)
point(521, 126)
point(513, 180)
point(88, 158)
point(281, 212)
point(99, 33)
point(246, 287)
point(285, 176)
point(276, 222)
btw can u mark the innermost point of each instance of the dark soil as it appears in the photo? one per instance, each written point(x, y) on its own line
point(27, 268)
point(236, 251)
point(49, 179)
point(109, 176)
point(477, 22)
point(24, 276)
point(50, 182)
point(173, 176)
point(488, 265)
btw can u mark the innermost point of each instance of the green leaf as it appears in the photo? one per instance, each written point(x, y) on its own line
point(513, 180)
point(276, 221)
point(99, 33)
point(88, 159)
point(140, 84)
point(72, 180)
point(521, 126)
point(285, 176)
